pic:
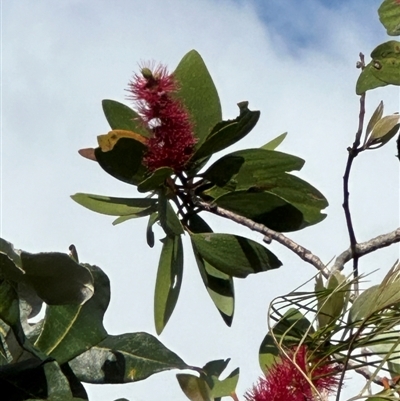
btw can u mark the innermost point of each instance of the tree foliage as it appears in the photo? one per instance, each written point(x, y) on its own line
point(163, 148)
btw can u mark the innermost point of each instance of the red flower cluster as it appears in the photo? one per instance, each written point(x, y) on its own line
point(285, 381)
point(172, 142)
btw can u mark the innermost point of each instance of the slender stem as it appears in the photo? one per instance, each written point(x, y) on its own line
point(352, 154)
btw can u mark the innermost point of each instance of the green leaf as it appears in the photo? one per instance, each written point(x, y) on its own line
point(389, 15)
point(234, 255)
point(384, 69)
point(116, 206)
point(289, 331)
point(168, 218)
point(149, 230)
point(227, 386)
point(198, 94)
point(219, 388)
point(378, 297)
point(168, 282)
point(55, 277)
point(226, 133)
point(69, 330)
point(367, 80)
point(123, 117)
point(272, 145)
point(264, 208)
point(124, 161)
point(156, 179)
point(331, 299)
point(386, 62)
point(219, 285)
point(250, 167)
point(383, 131)
point(195, 388)
point(58, 388)
point(376, 116)
point(125, 358)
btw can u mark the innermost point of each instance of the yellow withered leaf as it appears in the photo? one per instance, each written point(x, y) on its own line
point(108, 141)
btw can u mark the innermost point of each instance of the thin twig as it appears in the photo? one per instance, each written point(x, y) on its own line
point(381, 241)
point(364, 371)
point(299, 250)
point(352, 154)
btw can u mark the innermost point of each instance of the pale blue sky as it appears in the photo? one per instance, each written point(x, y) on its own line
point(293, 60)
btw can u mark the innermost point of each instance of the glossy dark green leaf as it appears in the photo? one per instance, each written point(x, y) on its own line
point(168, 218)
point(198, 94)
point(289, 331)
point(57, 278)
point(219, 285)
point(70, 330)
point(23, 380)
point(250, 167)
point(234, 255)
point(274, 143)
point(125, 358)
point(116, 206)
point(124, 161)
point(123, 117)
point(57, 384)
point(195, 388)
point(168, 282)
point(156, 179)
point(149, 230)
point(389, 15)
point(264, 208)
point(9, 302)
point(226, 133)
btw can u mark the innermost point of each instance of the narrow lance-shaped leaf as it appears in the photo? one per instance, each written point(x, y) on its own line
point(149, 230)
point(383, 131)
point(274, 143)
point(125, 358)
point(116, 206)
point(234, 255)
point(168, 218)
point(219, 285)
point(168, 282)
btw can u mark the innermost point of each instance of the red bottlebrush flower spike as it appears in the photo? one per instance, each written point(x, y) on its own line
point(284, 381)
point(172, 142)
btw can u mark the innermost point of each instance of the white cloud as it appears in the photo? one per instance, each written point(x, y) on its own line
point(60, 59)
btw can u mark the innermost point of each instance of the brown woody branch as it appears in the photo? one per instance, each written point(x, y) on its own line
point(299, 250)
point(363, 248)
